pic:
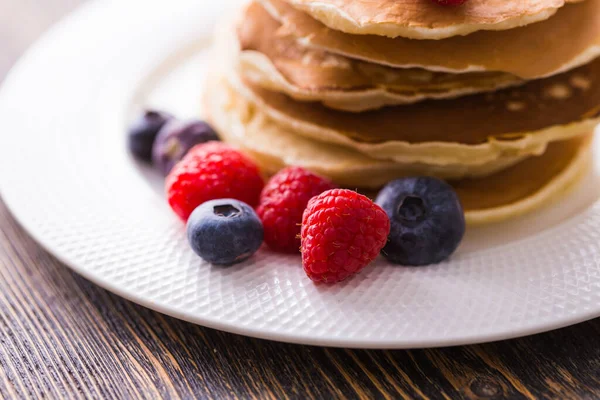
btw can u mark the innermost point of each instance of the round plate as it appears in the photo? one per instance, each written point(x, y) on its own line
point(67, 177)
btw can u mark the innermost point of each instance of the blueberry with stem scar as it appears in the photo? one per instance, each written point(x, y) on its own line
point(176, 138)
point(225, 232)
point(427, 220)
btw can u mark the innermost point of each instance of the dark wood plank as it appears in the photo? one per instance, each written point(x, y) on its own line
point(63, 337)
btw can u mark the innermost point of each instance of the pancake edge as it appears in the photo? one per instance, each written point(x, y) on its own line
point(341, 21)
point(553, 191)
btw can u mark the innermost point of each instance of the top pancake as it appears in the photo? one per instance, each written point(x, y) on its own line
point(423, 19)
point(569, 39)
point(278, 62)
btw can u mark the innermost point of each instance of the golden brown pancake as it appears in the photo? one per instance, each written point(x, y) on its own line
point(430, 153)
point(515, 190)
point(276, 146)
point(419, 19)
point(519, 181)
point(506, 115)
point(277, 61)
point(569, 39)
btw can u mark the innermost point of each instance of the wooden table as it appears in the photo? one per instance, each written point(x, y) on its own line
point(61, 336)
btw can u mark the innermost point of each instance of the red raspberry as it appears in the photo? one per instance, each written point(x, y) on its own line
point(282, 202)
point(342, 232)
point(450, 2)
point(212, 171)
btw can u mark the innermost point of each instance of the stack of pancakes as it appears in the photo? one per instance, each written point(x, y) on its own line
point(499, 97)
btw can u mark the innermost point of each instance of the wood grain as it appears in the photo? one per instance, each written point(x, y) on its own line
point(63, 337)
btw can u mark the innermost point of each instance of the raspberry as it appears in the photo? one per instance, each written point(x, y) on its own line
point(342, 232)
point(450, 2)
point(212, 171)
point(282, 202)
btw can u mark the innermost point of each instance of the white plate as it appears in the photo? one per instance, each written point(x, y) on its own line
point(67, 177)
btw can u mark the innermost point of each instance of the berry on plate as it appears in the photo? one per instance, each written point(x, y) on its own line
point(282, 203)
point(428, 221)
point(212, 171)
point(176, 138)
point(342, 232)
point(450, 2)
point(224, 232)
point(143, 131)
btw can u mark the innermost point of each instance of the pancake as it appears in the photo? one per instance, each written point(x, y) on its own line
point(470, 130)
point(278, 62)
point(274, 147)
point(423, 19)
point(518, 189)
point(569, 39)
point(528, 185)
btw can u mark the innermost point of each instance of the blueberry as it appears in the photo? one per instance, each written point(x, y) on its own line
point(143, 131)
point(176, 138)
point(224, 232)
point(427, 220)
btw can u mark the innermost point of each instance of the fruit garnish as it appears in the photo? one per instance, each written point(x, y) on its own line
point(143, 131)
point(342, 232)
point(212, 171)
point(224, 232)
point(449, 2)
point(176, 138)
point(282, 203)
point(427, 220)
